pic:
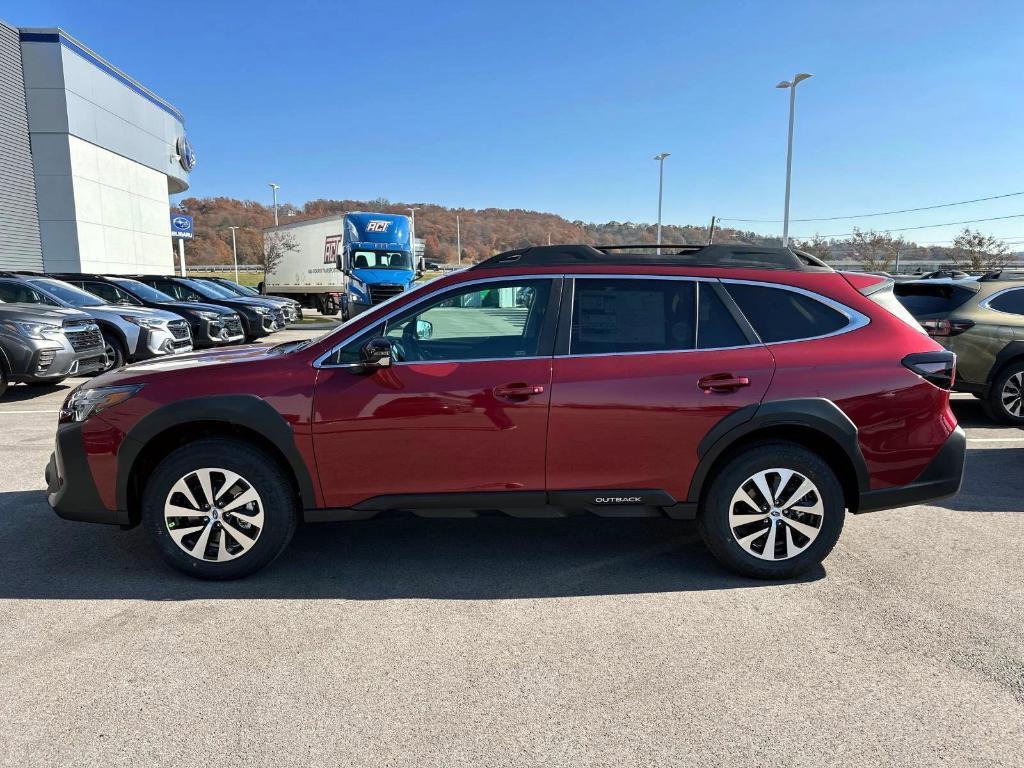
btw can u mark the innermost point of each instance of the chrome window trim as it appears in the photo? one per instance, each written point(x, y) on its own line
point(986, 302)
point(855, 320)
point(319, 362)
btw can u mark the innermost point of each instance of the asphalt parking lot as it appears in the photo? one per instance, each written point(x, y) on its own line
point(510, 642)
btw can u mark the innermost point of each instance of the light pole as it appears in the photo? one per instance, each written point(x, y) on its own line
point(234, 248)
point(458, 239)
point(661, 185)
point(412, 234)
point(275, 187)
point(797, 79)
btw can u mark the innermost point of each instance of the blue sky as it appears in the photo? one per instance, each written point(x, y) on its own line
point(560, 106)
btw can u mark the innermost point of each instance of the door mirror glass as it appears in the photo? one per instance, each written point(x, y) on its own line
point(377, 353)
point(424, 330)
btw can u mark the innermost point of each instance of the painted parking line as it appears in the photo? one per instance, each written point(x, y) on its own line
point(995, 439)
point(2, 412)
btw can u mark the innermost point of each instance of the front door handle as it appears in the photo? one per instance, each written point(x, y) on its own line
point(722, 382)
point(518, 391)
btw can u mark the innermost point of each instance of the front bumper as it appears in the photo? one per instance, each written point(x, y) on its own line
point(70, 488)
point(157, 342)
point(941, 478)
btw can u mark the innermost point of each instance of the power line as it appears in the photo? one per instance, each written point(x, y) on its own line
point(923, 226)
point(880, 213)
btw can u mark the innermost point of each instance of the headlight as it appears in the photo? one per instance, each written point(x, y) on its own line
point(83, 403)
point(34, 330)
point(357, 286)
point(260, 310)
point(209, 316)
point(145, 322)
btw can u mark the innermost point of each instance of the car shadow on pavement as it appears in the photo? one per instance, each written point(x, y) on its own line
point(478, 559)
point(21, 393)
point(990, 482)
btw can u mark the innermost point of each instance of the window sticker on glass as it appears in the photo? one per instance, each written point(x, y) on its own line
point(623, 317)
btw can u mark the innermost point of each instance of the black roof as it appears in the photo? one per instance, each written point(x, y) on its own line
point(724, 255)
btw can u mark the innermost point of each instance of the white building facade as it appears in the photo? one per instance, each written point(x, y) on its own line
point(105, 153)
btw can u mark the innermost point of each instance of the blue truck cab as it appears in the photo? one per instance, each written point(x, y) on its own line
point(376, 256)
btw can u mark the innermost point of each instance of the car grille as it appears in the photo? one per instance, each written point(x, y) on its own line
point(179, 330)
point(83, 336)
point(233, 325)
point(379, 293)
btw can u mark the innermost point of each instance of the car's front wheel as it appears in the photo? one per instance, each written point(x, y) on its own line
point(1006, 396)
point(774, 511)
point(219, 509)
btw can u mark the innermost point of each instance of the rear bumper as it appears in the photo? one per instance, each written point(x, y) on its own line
point(70, 488)
point(941, 478)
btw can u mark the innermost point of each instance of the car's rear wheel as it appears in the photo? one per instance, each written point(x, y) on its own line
point(1006, 396)
point(774, 511)
point(219, 509)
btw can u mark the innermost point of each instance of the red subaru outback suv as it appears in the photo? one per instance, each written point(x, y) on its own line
point(755, 390)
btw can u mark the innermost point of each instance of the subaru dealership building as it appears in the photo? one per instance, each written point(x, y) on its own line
point(88, 157)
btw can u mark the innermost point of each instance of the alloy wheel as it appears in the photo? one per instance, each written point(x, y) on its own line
point(214, 514)
point(776, 514)
point(1012, 396)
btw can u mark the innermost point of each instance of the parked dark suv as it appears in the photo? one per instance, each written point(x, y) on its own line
point(260, 317)
point(755, 390)
point(212, 325)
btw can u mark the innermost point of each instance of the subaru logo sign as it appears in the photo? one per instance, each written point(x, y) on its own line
point(181, 226)
point(186, 155)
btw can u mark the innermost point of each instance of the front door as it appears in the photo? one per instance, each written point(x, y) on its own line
point(462, 410)
point(650, 367)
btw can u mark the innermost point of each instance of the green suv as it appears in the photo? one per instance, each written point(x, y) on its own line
point(982, 321)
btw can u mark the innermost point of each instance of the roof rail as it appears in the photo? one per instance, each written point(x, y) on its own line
point(721, 255)
point(1001, 274)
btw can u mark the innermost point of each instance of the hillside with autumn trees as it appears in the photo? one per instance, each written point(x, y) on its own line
point(491, 230)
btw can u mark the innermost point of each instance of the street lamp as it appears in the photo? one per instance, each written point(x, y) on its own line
point(661, 185)
point(789, 147)
point(275, 187)
point(234, 248)
point(412, 234)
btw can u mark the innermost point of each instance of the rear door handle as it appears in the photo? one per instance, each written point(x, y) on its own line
point(722, 382)
point(518, 391)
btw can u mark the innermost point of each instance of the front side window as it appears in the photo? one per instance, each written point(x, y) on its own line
point(621, 315)
point(492, 321)
point(109, 293)
point(777, 314)
point(19, 293)
point(1011, 302)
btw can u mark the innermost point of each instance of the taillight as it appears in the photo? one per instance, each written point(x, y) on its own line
point(934, 367)
point(946, 327)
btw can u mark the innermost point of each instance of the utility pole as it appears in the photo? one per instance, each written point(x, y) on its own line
point(234, 248)
point(711, 231)
point(275, 187)
point(789, 147)
point(661, 185)
point(458, 239)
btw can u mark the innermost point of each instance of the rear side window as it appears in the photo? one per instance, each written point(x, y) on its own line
point(1011, 301)
point(781, 315)
point(716, 327)
point(922, 298)
point(610, 315)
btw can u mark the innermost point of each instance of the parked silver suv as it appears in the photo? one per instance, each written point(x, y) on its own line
point(45, 345)
point(130, 334)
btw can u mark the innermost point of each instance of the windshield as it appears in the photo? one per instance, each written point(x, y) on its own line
point(238, 290)
point(76, 297)
point(209, 290)
point(141, 290)
point(381, 260)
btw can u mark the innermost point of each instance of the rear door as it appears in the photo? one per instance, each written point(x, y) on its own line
point(646, 367)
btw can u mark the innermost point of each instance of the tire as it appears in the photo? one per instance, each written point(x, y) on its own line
point(3, 381)
point(115, 352)
point(820, 515)
point(1006, 395)
point(275, 507)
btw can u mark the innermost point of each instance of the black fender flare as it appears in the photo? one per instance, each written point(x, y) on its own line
point(1012, 350)
point(247, 411)
point(109, 330)
point(816, 413)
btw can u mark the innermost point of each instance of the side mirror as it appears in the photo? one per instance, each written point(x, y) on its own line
point(424, 330)
point(377, 353)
